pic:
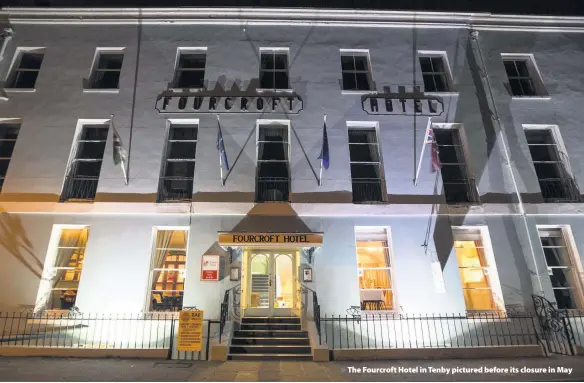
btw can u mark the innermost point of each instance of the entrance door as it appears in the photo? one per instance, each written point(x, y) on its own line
point(271, 281)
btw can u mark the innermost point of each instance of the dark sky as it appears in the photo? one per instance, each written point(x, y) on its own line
point(541, 7)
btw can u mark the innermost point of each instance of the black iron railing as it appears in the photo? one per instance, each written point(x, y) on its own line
point(428, 331)
point(368, 190)
point(175, 189)
point(308, 292)
point(463, 191)
point(559, 190)
point(272, 189)
point(79, 188)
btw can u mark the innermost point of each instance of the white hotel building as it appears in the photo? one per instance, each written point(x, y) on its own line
point(501, 220)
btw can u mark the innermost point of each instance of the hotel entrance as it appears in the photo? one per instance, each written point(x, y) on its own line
point(271, 283)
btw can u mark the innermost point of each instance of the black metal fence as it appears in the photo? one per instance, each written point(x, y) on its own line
point(272, 189)
point(78, 188)
point(101, 331)
point(175, 189)
point(427, 331)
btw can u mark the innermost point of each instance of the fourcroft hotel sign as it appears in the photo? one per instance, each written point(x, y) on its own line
point(289, 239)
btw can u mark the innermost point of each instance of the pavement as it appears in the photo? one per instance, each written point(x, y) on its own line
point(74, 369)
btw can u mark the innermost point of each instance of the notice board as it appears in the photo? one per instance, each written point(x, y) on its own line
point(190, 330)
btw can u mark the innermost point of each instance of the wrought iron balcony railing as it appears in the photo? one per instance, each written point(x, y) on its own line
point(272, 189)
point(559, 190)
point(368, 190)
point(175, 189)
point(463, 191)
point(79, 188)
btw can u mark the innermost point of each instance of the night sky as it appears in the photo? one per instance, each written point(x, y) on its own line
point(541, 7)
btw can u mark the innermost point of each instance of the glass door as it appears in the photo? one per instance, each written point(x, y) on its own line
point(271, 283)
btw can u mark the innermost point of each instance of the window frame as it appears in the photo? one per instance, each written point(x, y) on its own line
point(448, 78)
point(492, 275)
point(576, 263)
point(9, 122)
point(88, 88)
point(174, 123)
point(391, 268)
point(363, 53)
point(287, 124)
point(375, 126)
point(175, 74)
point(534, 75)
point(274, 51)
point(15, 67)
point(150, 291)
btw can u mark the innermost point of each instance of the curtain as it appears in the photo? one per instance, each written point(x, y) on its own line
point(163, 238)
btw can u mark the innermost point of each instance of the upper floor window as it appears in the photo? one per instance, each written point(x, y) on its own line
point(8, 136)
point(374, 263)
point(85, 164)
point(524, 78)
point(25, 69)
point(475, 270)
point(178, 168)
point(190, 69)
point(562, 267)
point(458, 187)
point(274, 69)
point(106, 70)
point(273, 164)
point(366, 166)
point(435, 73)
point(355, 70)
point(550, 162)
point(168, 270)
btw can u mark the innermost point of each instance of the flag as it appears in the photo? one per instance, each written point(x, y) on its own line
point(434, 149)
point(221, 147)
point(324, 151)
point(120, 153)
point(429, 136)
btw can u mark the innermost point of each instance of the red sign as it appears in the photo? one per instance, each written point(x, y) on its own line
point(210, 268)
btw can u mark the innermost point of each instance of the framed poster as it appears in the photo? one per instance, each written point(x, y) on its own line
point(210, 268)
point(234, 273)
point(307, 275)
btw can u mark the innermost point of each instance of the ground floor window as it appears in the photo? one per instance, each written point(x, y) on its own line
point(474, 270)
point(561, 267)
point(374, 263)
point(66, 272)
point(168, 270)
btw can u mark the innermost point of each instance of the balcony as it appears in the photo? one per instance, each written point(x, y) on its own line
point(272, 189)
point(559, 190)
point(175, 189)
point(368, 190)
point(461, 192)
point(79, 188)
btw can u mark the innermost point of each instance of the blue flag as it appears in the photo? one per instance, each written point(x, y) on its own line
point(221, 147)
point(324, 151)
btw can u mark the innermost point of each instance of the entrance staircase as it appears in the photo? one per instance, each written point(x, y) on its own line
point(270, 338)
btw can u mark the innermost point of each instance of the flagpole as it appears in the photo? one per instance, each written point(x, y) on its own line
point(321, 160)
point(220, 159)
point(423, 150)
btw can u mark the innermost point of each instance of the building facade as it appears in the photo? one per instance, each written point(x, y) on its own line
point(154, 159)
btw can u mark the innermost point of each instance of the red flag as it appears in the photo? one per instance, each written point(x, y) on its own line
point(435, 159)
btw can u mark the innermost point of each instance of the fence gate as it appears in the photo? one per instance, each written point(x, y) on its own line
point(557, 336)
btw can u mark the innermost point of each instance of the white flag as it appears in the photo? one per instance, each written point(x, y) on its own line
point(120, 153)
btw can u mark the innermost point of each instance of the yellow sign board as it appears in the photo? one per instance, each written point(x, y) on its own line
point(290, 239)
point(190, 330)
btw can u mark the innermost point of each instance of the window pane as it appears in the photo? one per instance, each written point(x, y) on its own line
point(515, 87)
point(359, 171)
point(561, 277)
point(441, 84)
point(361, 63)
point(363, 153)
point(171, 239)
point(349, 81)
point(179, 169)
point(192, 61)
point(364, 136)
point(470, 254)
point(281, 80)
point(183, 133)
point(425, 64)
point(473, 278)
point(6, 148)
point(481, 299)
point(374, 279)
point(528, 88)
point(267, 61)
point(557, 256)
point(90, 150)
point(273, 169)
point(110, 61)
point(447, 154)
point(543, 152)
point(31, 61)
point(267, 80)
point(94, 133)
point(347, 63)
point(548, 170)
point(510, 68)
point(86, 168)
point(281, 61)
point(438, 64)
point(429, 83)
point(4, 167)
point(190, 79)
point(73, 237)
point(372, 256)
point(452, 173)
point(182, 150)
point(25, 80)
point(522, 69)
point(564, 298)
point(9, 132)
point(272, 151)
point(106, 80)
point(362, 81)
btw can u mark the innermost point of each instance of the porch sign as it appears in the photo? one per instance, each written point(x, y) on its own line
point(290, 239)
point(190, 330)
point(210, 268)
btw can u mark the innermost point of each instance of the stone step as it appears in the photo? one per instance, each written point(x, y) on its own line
point(269, 349)
point(270, 341)
point(270, 334)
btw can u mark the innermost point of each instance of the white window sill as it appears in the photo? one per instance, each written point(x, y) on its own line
point(531, 97)
point(20, 90)
point(182, 90)
point(359, 92)
point(91, 90)
point(441, 93)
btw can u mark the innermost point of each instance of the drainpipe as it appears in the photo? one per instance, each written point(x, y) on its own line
point(499, 126)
